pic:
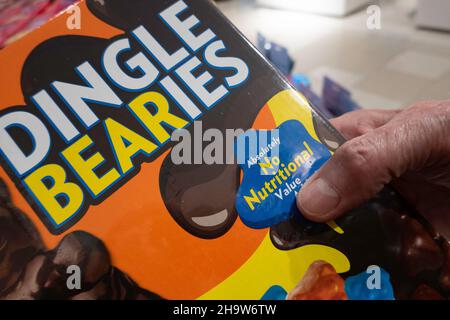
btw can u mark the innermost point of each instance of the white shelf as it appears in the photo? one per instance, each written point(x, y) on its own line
point(324, 7)
point(433, 14)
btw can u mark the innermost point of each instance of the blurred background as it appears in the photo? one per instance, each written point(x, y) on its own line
point(342, 54)
point(403, 59)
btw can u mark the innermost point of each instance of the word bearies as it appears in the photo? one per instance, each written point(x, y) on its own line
point(65, 115)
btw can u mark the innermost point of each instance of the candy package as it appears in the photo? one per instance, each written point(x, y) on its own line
point(276, 54)
point(154, 153)
point(336, 98)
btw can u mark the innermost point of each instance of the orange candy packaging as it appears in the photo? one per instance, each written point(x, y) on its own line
point(92, 205)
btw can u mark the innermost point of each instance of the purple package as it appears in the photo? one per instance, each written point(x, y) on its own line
point(336, 98)
point(275, 53)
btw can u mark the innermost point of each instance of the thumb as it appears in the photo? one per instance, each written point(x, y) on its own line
point(359, 170)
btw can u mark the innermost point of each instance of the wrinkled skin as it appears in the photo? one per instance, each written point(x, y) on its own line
point(409, 149)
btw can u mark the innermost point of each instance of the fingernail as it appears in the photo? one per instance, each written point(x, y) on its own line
point(318, 198)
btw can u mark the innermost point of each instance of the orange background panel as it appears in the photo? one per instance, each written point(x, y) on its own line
point(143, 239)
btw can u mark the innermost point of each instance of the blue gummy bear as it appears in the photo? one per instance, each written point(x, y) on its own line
point(294, 141)
point(275, 293)
point(357, 288)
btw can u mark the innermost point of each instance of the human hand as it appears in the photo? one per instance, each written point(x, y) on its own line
point(408, 148)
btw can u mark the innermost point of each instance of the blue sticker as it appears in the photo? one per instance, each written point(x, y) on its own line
point(369, 286)
point(275, 293)
point(273, 177)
